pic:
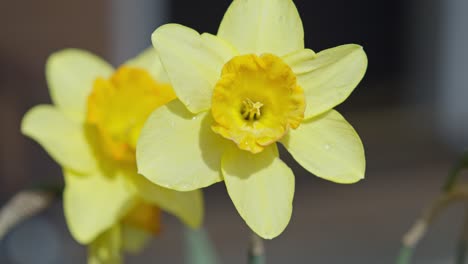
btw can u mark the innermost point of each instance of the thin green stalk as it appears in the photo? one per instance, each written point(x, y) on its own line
point(199, 247)
point(405, 255)
point(256, 250)
point(463, 242)
point(455, 172)
point(449, 194)
point(451, 181)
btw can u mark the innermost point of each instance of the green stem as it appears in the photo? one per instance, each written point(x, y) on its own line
point(418, 230)
point(405, 255)
point(455, 172)
point(256, 250)
point(463, 242)
point(451, 181)
point(200, 248)
point(461, 252)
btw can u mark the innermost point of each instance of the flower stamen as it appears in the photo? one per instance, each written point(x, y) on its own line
point(251, 111)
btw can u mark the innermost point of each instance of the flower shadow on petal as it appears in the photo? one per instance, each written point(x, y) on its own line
point(211, 145)
point(178, 109)
point(244, 164)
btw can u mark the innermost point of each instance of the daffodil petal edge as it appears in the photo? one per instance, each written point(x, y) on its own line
point(95, 202)
point(263, 26)
point(63, 138)
point(188, 206)
point(149, 60)
point(178, 150)
point(107, 247)
point(261, 186)
point(298, 60)
point(70, 75)
point(329, 147)
point(330, 77)
point(192, 61)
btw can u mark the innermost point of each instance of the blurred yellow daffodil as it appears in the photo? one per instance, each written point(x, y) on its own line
point(242, 91)
point(91, 131)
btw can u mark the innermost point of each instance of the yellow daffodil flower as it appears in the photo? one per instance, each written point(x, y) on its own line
point(91, 131)
point(242, 91)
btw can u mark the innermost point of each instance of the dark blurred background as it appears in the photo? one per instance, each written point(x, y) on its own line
point(410, 110)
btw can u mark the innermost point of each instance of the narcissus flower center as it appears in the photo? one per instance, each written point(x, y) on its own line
point(250, 110)
point(119, 106)
point(256, 101)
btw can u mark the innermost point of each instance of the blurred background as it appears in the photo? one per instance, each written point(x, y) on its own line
point(411, 111)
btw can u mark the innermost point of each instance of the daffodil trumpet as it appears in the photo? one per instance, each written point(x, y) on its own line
point(91, 131)
point(241, 92)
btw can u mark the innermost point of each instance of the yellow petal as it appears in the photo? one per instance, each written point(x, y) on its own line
point(192, 61)
point(70, 75)
point(134, 239)
point(299, 60)
point(263, 26)
point(106, 248)
point(188, 206)
point(328, 147)
point(95, 202)
point(64, 139)
point(149, 60)
point(261, 187)
point(328, 77)
point(178, 150)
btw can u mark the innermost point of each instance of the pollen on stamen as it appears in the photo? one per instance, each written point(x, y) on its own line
point(251, 111)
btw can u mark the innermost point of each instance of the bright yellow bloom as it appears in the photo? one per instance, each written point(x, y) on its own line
point(242, 91)
point(91, 131)
point(256, 101)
